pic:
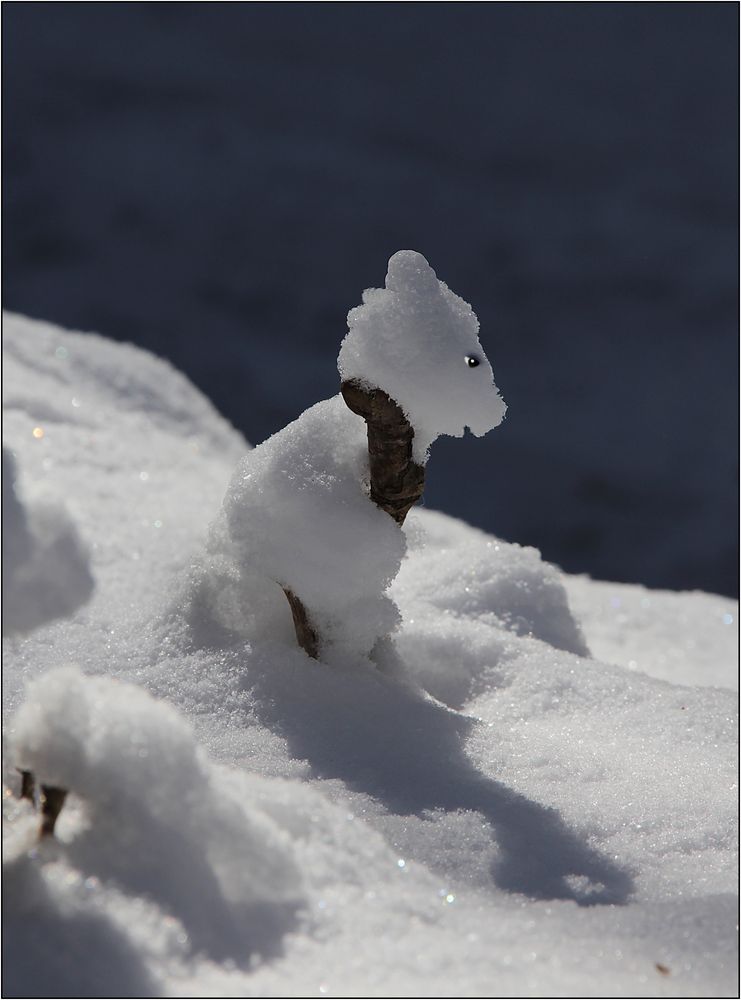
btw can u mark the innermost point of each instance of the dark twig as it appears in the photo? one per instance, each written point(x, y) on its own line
point(306, 634)
point(396, 480)
point(52, 800)
point(28, 785)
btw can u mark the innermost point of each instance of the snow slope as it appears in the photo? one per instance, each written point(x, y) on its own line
point(494, 812)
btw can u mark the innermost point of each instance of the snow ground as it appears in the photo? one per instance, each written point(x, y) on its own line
point(496, 812)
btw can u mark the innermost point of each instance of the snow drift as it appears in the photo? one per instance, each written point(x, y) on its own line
point(494, 811)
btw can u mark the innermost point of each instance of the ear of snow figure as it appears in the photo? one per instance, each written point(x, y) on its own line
point(408, 271)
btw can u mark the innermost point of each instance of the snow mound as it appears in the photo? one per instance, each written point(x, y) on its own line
point(418, 341)
point(72, 405)
point(465, 596)
point(84, 378)
point(46, 572)
point(160, 818)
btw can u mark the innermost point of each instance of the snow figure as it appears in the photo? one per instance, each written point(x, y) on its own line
point(313, 515)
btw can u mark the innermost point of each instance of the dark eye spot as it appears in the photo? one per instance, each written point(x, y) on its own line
point(472, 361)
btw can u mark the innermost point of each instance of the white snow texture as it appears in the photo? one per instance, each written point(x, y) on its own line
point(531, 793)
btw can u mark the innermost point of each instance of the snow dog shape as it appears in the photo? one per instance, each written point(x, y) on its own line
point(297, 513)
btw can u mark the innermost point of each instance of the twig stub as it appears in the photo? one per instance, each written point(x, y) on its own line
point(307, 637)
point(28, 785)
point(52, 800)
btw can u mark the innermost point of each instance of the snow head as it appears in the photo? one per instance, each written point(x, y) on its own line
point(418, 341)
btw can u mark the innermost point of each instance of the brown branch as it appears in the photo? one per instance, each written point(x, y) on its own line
point(306, 634)
point(397, 481)
point(28, 785)
point(52, 800)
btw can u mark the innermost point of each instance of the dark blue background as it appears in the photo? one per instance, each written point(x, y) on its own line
point(218, 183)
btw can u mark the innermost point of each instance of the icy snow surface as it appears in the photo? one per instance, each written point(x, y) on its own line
point(495, 812)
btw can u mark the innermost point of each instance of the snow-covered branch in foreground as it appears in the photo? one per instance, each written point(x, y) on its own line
point(297, 516)
point(157, 814)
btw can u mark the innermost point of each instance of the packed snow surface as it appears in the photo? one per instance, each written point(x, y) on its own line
point(532, 794)
point(418, 341)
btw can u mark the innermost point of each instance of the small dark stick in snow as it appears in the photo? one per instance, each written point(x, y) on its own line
point(52, 800)
point(28, 785)
point(306, 634)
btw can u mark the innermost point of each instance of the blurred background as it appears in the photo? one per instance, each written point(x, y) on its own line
point(218, 183)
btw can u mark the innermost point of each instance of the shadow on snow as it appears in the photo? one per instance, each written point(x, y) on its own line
point(383, 739)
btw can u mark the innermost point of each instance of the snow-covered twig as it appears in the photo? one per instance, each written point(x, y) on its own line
point(396, 480)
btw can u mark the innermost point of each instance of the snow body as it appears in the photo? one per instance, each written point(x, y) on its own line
point(297, 512)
